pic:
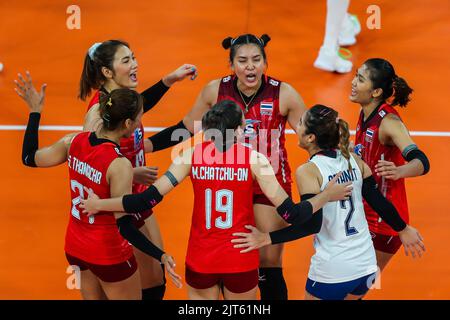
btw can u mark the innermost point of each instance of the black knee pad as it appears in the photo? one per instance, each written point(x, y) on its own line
point(272, 285)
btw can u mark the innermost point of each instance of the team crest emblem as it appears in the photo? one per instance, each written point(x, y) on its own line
point(137, 138)
point(251, 128)
point(358, 149)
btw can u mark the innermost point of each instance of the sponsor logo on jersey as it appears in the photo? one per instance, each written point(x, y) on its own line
point(137, 138)
point(382, 113)
point(251, 128)
point(226, 79)
point(266, 108)
point(358, 149)
point(369, 135)
point(274, 82)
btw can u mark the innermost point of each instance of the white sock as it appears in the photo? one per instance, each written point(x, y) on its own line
point(336, 12)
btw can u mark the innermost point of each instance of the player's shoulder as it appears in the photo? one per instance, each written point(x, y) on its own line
point(307, 169)
point(68, 138)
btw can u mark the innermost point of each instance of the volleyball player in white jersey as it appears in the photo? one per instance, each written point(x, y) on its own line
point(344, 265)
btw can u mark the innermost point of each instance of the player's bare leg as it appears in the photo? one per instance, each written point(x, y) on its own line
point(309, 296)
point(204, 294)
point(90, 286)
point(249, 295)
point(128, 289)
point(383, 259)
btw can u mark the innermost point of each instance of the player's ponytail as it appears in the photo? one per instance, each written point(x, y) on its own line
point(344, 140)
point(402, 92)
point(98, 56)
point(234, 43)
point(383, 76)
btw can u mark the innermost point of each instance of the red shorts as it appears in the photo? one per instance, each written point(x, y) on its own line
point(106, 273)
point(260, 198)
point(235, 282)
point(384, 243)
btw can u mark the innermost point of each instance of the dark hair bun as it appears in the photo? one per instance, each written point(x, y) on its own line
point(226, 43)
point(265, 39)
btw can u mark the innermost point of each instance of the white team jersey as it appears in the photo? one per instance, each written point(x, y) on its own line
point(344, 249)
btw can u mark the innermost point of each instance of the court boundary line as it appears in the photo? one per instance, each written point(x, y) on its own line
point(158, 129)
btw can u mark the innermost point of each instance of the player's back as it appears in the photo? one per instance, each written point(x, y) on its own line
point(344, 249)
point(94, 239)
point(223, 196)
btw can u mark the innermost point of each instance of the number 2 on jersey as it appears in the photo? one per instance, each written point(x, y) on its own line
point(349, 231)
point(226, 208)
point(76, 186)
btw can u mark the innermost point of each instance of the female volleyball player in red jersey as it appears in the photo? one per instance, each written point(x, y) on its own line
point(99, 246)
point(384, 143)
point(267, 104)
point(223, 173)
point(107, 66)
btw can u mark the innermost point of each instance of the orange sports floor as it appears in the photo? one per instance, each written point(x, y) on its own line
point(33, 36)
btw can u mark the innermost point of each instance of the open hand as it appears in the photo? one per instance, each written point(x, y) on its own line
point(169, 264)
point(89, 205)
point(412, 241)
point(25, 89)
point(252, 240)
point(338, 191)
point(387, 170)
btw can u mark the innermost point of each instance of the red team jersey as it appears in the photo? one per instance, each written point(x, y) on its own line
point(265, 125)
point(94, 239)
point(368, 146)
point(133, 149)
point(222, 205)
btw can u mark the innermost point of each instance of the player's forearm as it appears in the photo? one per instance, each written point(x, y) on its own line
point(414, 168)
point(112, 204)
point(319, 200)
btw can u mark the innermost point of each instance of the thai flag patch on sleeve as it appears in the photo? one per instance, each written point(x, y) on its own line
point(266, 108)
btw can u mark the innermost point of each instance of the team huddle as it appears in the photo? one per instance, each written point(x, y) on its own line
point(353, 198)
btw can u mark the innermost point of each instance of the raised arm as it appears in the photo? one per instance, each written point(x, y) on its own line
point(32, 156)
point(291, 104)
point(394, 132)
point(153, 94)
point(185, 128)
